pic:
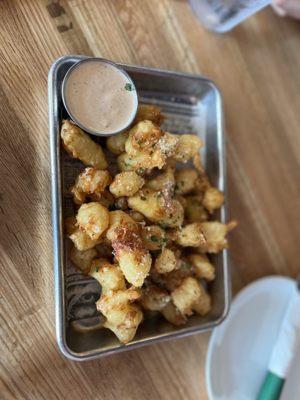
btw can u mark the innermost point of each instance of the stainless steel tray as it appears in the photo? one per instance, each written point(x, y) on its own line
point(191, 104)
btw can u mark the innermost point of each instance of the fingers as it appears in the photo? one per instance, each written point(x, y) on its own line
point(289, 8)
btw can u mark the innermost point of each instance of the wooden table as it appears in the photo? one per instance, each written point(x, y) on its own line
point(257, 69)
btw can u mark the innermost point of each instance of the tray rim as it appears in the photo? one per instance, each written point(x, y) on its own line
point(59, 289)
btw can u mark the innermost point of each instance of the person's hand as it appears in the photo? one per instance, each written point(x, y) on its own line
point(289, 8)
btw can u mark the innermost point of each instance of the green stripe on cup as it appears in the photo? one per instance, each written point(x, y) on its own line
point(271, 387)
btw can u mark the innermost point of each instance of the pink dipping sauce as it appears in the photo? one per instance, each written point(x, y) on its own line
point(100, 97)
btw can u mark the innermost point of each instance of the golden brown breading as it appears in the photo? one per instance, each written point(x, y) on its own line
point(213, 199)
point(143, 137)
point(173, 279)
point(154, 237)
point(194, 211)
point(215, 236)
point(80, 238)
point(191, 235)
point(130, 251)
point(188, 146)
point(90, 181)
point(127, 163)
point(116, 143)
point(185, 180)
point(157, 207)
point(122, 317)
point(154, 298)
point(203, 268)
point(186, 295)
point(93, 218)
point(202, 182)
point(108, 275)
point(150, 113)
point(164, 182)
point(173, 315)
point(126, 183)
point(129, 319)
point(203, 305)
point(147, 146)
point(165, 261)
point(79, 145)
point(137, 217)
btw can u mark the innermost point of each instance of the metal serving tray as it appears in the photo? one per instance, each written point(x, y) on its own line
point(191, 104)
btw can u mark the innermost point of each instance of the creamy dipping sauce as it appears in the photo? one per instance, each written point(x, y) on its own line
point(100, 97)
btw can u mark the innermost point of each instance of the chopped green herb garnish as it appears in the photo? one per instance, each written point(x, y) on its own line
point(129, 87)
point(140, 170)
point(154, 238)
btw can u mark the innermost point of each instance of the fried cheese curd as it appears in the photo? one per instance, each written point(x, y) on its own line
point(117, 302)
point(145, 230)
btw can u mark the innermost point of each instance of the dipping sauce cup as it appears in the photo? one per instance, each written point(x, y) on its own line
point(99, 96)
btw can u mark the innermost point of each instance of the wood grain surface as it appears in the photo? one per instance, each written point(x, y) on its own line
point(257, 69)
